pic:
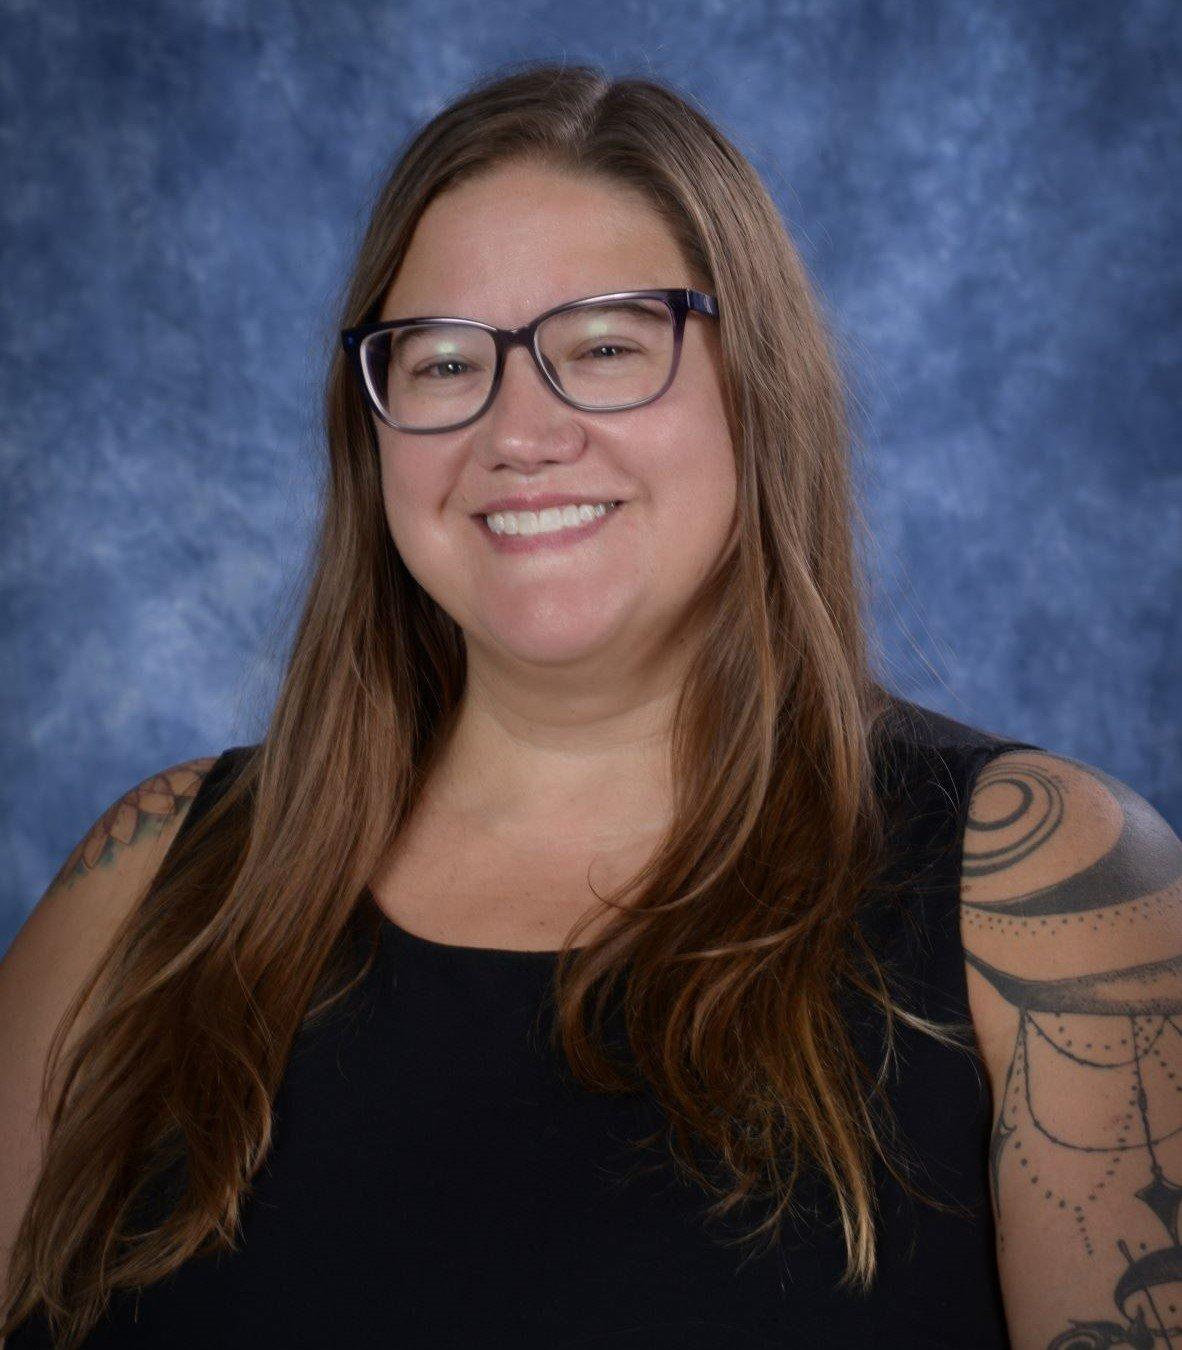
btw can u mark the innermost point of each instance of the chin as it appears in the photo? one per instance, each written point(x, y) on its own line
point(553, 642)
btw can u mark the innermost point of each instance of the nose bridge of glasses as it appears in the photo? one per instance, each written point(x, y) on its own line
point(525, 336)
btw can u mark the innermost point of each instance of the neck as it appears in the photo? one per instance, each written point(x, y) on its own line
point(517, 764)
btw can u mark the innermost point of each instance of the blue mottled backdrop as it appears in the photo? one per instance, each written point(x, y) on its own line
point(987, 196)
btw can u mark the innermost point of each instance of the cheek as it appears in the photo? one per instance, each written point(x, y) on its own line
point(697, 497)
point(714, 486)
point(412, 490)
point(400, 514)
point(711, 504)
point(398, 498)
point(409, 523)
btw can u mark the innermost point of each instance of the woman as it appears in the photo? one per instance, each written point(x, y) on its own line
point(581, 665)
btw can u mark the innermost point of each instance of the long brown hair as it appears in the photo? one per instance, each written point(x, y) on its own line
point(731, 944)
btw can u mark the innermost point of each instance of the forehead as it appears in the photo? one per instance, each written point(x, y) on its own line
point(518, 240)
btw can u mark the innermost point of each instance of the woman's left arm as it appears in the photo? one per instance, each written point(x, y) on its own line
point(1071, 916)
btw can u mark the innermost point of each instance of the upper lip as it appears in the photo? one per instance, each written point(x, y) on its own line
point(541, 500)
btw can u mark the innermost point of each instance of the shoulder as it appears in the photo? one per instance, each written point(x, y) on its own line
point(1067, 875)
point(1071, 918)
point(137, 826)
point(104, 874)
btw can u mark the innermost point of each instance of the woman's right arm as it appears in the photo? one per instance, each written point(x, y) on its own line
point(57, 948)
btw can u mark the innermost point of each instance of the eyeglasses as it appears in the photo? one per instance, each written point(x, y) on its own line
point(439, 374)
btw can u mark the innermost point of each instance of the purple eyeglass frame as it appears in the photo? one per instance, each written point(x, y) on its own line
point(680, 300)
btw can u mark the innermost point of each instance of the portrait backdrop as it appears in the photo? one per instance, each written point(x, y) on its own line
point(987, 198)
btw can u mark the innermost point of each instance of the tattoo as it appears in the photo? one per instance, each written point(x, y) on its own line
point(1110, 1035)
point(1151, 987)
point(1128, 870)
point(140, 813)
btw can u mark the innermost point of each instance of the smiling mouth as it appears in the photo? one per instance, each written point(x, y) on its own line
point(549, 520)
point(533, 538)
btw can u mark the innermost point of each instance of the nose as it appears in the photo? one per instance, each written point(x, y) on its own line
point(528, 423)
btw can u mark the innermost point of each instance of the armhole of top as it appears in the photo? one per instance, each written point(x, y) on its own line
point(982, 756)
point(938, 878)
point(212, 786)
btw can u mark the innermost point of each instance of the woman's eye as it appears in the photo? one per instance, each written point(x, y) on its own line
point(436, 365)
point(606, 346)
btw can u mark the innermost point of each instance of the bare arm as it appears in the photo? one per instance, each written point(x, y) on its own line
point(58, 947)
point(1072, 924)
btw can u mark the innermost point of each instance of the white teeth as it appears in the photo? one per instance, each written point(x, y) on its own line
point(548, 521)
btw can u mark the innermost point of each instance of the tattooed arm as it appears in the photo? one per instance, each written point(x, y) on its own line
point(1071, 915)
point(55, 951)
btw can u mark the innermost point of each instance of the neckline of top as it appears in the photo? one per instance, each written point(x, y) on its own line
point(455, 949)
point(541, 957)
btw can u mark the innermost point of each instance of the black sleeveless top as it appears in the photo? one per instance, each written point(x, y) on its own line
point(438, 1180)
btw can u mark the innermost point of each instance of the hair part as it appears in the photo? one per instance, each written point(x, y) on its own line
point(730, 950)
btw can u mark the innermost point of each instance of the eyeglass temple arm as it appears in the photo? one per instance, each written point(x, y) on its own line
point(702, 303)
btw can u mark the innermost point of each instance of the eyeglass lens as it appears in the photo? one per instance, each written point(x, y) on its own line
point(606, 355)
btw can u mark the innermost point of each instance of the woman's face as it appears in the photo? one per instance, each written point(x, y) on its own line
point(502, 250)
